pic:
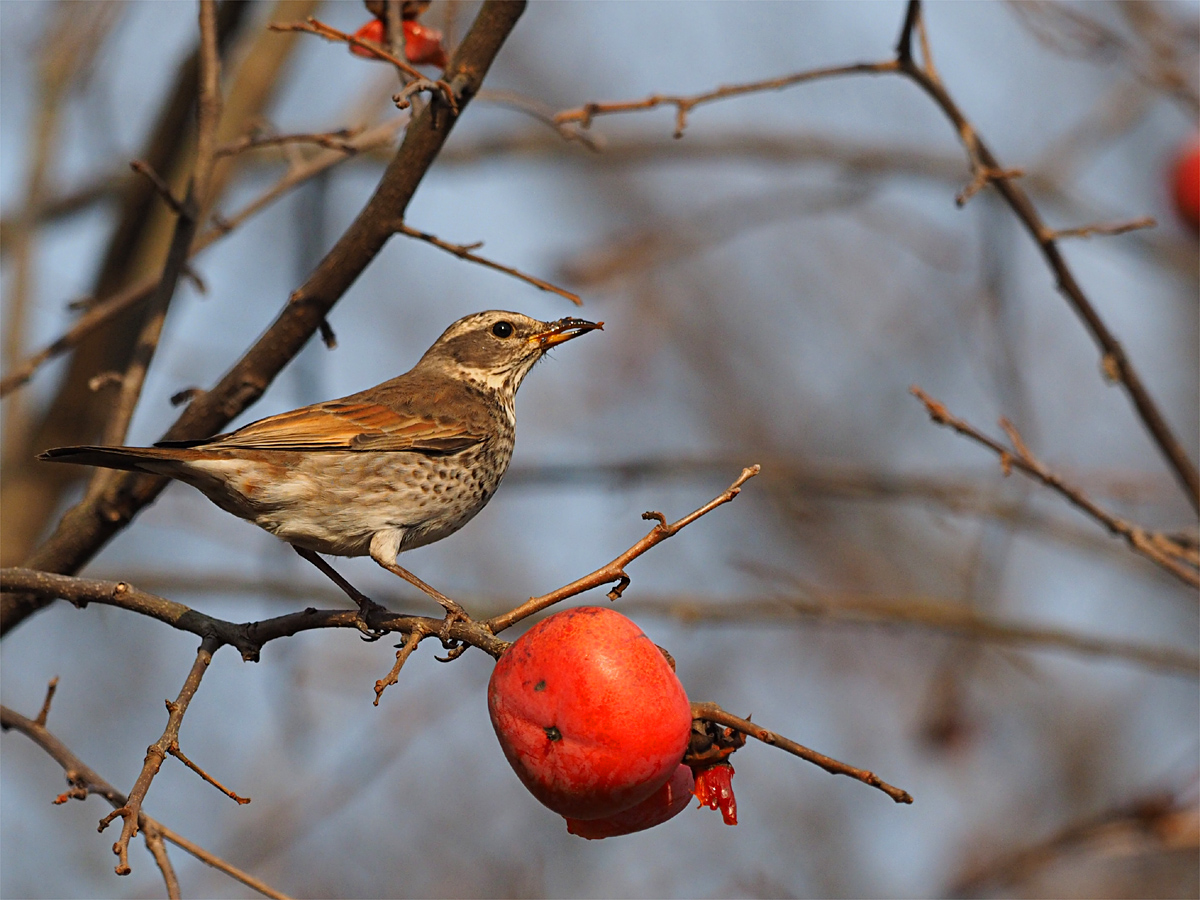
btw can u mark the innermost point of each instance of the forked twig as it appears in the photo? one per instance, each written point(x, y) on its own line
point(615, 570)
point(1180, 561)
point(84, 781)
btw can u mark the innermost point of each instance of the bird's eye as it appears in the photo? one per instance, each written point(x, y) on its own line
point(502, 329)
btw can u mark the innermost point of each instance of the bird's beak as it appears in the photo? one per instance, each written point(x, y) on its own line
point(563, 330)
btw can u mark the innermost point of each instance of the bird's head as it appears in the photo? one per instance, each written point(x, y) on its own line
point(496, 349)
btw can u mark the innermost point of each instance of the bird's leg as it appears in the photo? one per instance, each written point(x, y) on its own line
point(364, 603)
point(453, 610)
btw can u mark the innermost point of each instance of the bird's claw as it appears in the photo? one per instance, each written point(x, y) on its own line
point(367, 606)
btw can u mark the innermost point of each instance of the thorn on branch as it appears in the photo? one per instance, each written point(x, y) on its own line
point(327, 336)
point(188, 393)
point(50, 689)
point(103, 380)
point(194, 277)
point(904, 43)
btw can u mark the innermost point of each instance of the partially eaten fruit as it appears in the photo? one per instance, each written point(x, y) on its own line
point(589, 714)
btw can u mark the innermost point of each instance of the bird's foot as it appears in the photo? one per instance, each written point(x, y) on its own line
point(367, 607)
point(454, 614)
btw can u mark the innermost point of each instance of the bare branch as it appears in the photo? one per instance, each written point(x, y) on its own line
point(463, 251)
point(173, 749)
point(585, 114)
point(711, 712)
point(1180, 561)
point(331, 140)
point(84, 781)
point(130, 811)
point(312, 25)
point(615, 570)
point(1111, 228)
point(402, 654)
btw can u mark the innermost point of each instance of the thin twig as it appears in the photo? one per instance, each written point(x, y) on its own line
point(1111, 228)
point(585, 114)
point(163, 189)
point(173, 749)
point(189, 213)
point(158, 849)
point(463, 251)
point(1180, 561)
point(615, 570)
point(711, 712)
point(331, 140)
point(539, 111)
point(85, 780)
point(312, 25)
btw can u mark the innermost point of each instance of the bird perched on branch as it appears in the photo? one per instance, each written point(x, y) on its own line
point(397, 466)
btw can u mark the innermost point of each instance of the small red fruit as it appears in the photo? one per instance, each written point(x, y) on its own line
point(422, 44)
point(1187, 185)
point(588, 712)
point(665, 803)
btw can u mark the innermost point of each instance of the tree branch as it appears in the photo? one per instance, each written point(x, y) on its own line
point(711, 712)
point(1182, 562)
point(84, 781)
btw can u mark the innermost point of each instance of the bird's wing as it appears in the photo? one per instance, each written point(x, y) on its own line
point(349, 426)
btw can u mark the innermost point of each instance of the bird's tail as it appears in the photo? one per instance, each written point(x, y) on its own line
point(131, 459)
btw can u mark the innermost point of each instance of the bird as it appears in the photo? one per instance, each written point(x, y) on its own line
point(394, 467)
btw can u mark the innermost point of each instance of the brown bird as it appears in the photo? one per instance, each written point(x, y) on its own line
point(397, 466)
